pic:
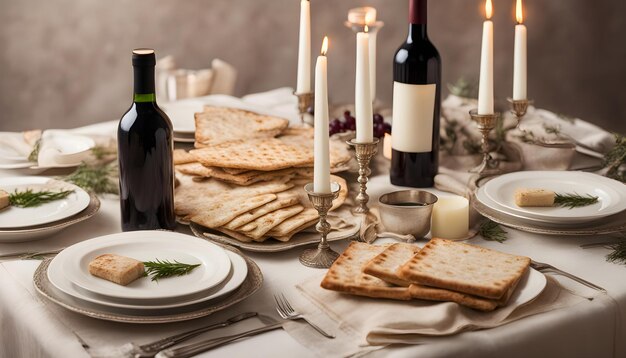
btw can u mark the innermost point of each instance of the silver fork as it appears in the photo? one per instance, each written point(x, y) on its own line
point(285, 310)
point(544, 267)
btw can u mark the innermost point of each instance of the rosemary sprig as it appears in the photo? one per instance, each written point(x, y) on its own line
point(98, 179)
point(492, 231)
point(163, 268)
point(619, 253)
point(29, 198)
point(574, 200)
point(34, 154)
point(615, 159)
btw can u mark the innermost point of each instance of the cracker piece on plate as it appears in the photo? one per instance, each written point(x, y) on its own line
point(385, 265)
point(234, 234)
point(116, 268)
point(464, 268)
point(346, 274)
point(251, 176)
point(260, 226)
point(235, 171)
point(217, 125)
point(181, 156)
point(254, 154)
point(222, 212)
point(195, 169)
point(283, 200)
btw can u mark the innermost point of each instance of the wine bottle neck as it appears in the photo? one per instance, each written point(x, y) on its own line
point(144, 84)
point(418, 11)
point(417, 32)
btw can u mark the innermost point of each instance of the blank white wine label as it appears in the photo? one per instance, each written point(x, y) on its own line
point(413, 111)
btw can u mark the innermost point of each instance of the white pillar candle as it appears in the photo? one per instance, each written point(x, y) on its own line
point(304, 49)
point(372, 64)
point(485, 89)
point(520, 56)
point(321, 166)
point(450, 218)
point(362, 98)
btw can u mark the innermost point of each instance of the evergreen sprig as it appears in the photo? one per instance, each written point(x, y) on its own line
point(615, 159)
point(574, 200)
point(29, 198)
point(99, 179)
point(492, 231)
point(34, 154)
point(619, 253)
point(163, 268)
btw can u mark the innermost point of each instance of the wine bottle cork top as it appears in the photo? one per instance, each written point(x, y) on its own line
point(144, 57)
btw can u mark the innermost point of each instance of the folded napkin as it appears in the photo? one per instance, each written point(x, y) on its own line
point(365, 324)
point(15, 143)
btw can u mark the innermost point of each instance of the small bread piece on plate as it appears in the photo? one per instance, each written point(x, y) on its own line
point(116, 268)
point(4, 199)
point(465, 268)
point(534, 197)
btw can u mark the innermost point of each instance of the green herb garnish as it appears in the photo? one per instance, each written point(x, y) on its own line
point(492, 231)
point(98, 179)
point(34, 154)
point(163, 268)
point(574, 200)
point(619, 253)
point(615, 159)
point(29, 198)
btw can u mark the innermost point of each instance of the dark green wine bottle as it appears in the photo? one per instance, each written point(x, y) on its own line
point(145, 147)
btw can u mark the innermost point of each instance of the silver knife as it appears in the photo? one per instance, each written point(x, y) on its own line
point(203, 346)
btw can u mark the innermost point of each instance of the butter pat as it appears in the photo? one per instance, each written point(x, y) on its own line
point(116, 268)
point(534, 197)
point(4, 199)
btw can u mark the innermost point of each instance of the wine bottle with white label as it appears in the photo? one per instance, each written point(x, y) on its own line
point(416, 105)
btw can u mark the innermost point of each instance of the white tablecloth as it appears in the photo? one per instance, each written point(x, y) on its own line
point(32, 327)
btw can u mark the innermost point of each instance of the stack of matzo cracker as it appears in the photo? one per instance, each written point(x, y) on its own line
point(244, 182)
point(443, 270)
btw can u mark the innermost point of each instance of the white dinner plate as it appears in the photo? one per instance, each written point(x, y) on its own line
point(611, 194)
point(148, 246)
point(235, 278)
point(530, 286)
point(181, 114)
point(16, 217)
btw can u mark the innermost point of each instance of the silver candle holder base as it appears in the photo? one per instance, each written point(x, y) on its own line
point(364, 153)
point(305, 101)
point(519, 107)
point(486, 123)
point(323, 256)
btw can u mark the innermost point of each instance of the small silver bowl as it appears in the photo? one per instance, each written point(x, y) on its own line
point(407, 211)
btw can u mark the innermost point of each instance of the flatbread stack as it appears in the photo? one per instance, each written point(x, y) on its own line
point(246, 177)
point(442, 270)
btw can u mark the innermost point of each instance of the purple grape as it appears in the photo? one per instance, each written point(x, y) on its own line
point(378, 118)
point(350, 120)
point(379, 130)
point(387, 127)
point(334, 128)
point(346, 115)
point(336, 122)
point(350, 126)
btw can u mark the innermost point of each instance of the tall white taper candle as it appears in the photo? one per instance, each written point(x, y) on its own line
point(485, 89)
point(321, 167)
point(362, 97)
point(520, 73)
point(304, 49)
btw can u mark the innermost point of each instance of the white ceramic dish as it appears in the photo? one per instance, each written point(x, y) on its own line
point(15, 217)
point(69, 149)
point(148, 246)
point(530, 286)
point(611, 194)
point(235, 278)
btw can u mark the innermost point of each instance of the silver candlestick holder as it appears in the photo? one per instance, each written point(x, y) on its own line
point(519, 107)
point(364, 153)
point(323, 256)
point(486, 123)
point(305, 101)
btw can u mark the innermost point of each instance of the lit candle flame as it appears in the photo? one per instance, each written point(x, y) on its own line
point(488, 9)
point(366, 29)
point(518, 12)
point(324, 46)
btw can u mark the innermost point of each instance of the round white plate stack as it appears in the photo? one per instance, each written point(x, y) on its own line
point(496, 200)
point(25, 224)
point(221, 273)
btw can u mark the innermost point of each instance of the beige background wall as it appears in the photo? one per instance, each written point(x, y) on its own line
point(65, 63)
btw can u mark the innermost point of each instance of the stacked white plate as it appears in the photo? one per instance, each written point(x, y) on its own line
point(499, 196)
point(26, 224)
point(220, 273)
